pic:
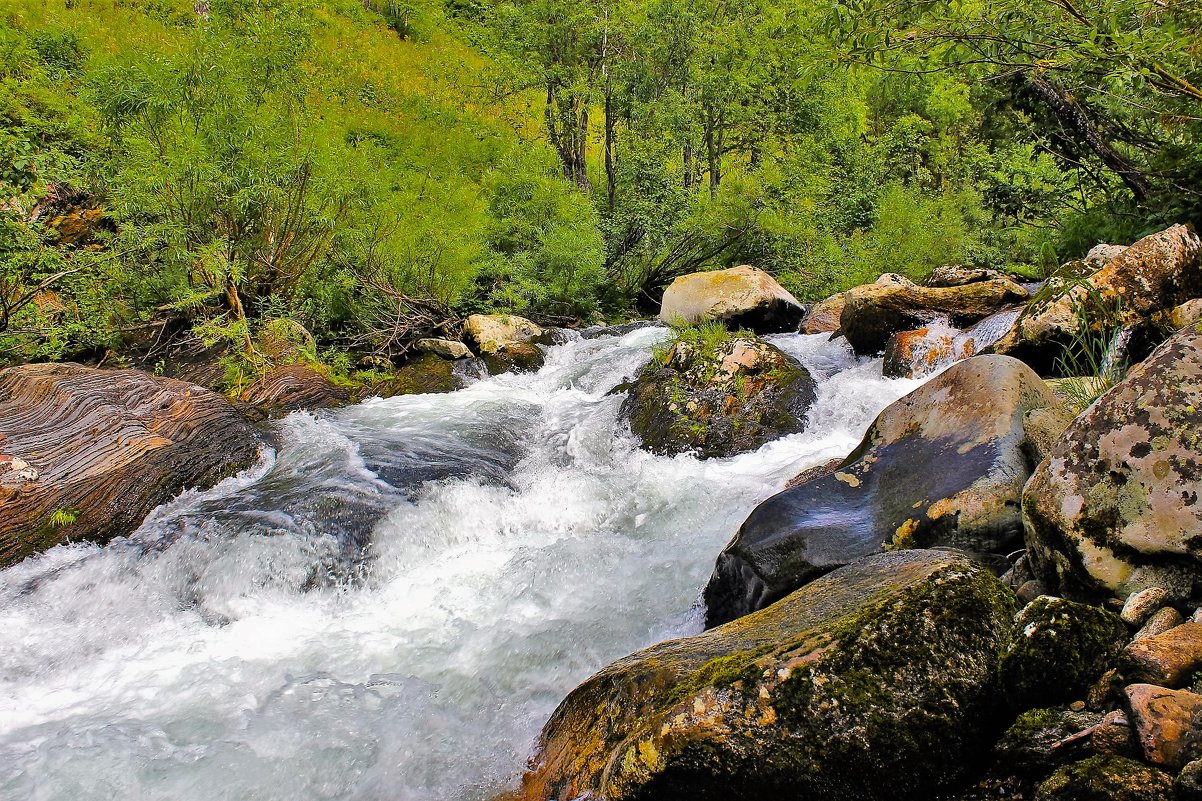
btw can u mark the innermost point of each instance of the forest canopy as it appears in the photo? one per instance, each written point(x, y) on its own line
point(373, 170)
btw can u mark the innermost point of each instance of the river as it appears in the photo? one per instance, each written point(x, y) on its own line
point(391, 605)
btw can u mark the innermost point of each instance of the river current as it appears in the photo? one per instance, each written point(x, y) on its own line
point(391, 604)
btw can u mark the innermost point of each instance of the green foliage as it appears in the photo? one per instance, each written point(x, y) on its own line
point(1092, 359)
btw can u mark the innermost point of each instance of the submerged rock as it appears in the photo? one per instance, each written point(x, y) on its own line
point(1114, 509)
point(945, 465)
point(873, 312)
point(718, 397)
point(1057, 650)
point(86, 454)
point(741, 297)
point(1148, 280)
point(876, 682)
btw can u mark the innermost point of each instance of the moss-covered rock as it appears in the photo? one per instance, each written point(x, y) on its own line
point(1057, 649)
point(514, 357)
point(944, 465)
point(1115, 508)
point(1106, 778)
point(1029, 746)
point(425, 373)
point(876, 681)
point(717, 394)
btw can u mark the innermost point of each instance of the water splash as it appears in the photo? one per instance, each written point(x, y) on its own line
point(391, 605)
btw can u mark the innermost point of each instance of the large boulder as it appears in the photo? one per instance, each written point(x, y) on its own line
point(492, 332)
point(959, 275)
point(718, 397)
point(1168, 724)
point(1145, 281)
point(86, 454)
point(1114, 509)
point(944, 465)
point(875, 682)
point(741, 297)
point(1106, 778)
point(873, 312)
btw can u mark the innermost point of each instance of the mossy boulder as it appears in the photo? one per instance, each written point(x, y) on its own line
point(943, 466)
point(1147, 281)
point(1029, 746)
point(1106, 778)
point(873, 312)
point(1115, 507)
point(741, 297)
point(877, 681)
point(1057, 649)
point(425, 373)
point(717, 394)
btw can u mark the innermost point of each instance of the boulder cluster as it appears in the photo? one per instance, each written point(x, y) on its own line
point(992, 596)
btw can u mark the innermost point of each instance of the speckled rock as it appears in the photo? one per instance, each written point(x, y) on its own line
point(718, 399)
point(1106, 778)
point(1168, 659)
point(876, 682)
point(1099, 255)
point(491, 332)
point(823, 316)
point(1160, 621)
point(1057, 649)
point(1114, 509)
point(1140, 606)
point(1030, 745)
point(1168, 724)
point(86, 454)
point(1188, 785)
point(944, 465)
point(1185, 314)
point(741, 297)
point(873, 312)
point(1151, 277)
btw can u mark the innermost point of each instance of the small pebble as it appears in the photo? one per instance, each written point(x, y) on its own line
point(1164, 619)
point(1077, 706)
point(1140, 605)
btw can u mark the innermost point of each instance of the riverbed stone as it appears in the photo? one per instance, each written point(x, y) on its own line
point(873, 312)
point(86, 454)
point(514, 357)
point(446, 348)
point(1169, 659)
point(823, 316)
point(1159, 622)
point(1057, 649)
point(1114, 509)
point(918, 353)
point(1149, 279)
point(743, 297)
point(959, 275)
point(1168, 724)
point(875, 682)
point(1140, 606)
point(718, 397)
point(1188, 784)
point(292, 387)
point(1030, 745)
point(943, 466)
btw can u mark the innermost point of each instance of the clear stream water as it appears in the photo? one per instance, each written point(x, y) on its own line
point(391, 605)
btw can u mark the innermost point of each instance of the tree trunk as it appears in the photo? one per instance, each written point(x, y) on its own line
point(1074, 118)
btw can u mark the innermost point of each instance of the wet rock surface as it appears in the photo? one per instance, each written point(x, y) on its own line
point(944, 465)
point(293, 387)
point(877, 681)
point(718, 398)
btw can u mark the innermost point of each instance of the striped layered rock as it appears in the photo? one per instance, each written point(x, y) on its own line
point(86, 454)
point(294, 387)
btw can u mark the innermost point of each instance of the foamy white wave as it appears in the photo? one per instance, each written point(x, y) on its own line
point(391, 605)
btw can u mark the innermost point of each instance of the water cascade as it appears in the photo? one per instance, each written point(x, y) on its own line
point(390, 606)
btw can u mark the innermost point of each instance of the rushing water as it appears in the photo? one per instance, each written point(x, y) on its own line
point(391, 605)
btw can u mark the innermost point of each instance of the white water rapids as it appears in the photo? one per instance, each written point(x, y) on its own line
point(390, 606)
